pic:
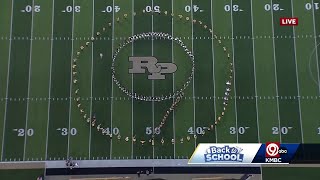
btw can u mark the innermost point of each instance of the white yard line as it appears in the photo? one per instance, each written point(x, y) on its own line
point(193, 91)
point(275, 72)
point(234, 77)
point(124, 98)
point(92, 57)
point(173, 89)
point(152, 82)
point(132, 85)
point(255, 74)
point(315, 43)
point(70, 95)
point(213, 74)
point(29, 80)
point(7, 88)
point(57, 38)
point(297, 75)
point(48, 121)
point(111, 112)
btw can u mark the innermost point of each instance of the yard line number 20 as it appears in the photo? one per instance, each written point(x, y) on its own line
point(23, 132)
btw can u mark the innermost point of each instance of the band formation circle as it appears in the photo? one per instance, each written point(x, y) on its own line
point(177, 96)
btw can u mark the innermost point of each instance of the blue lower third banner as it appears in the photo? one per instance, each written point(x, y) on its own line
point(272, 152)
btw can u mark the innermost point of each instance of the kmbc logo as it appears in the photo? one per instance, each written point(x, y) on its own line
point(272, 149)
point(156, 70)
point(273, 152)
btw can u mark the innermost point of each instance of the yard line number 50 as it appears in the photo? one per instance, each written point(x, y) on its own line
point(149, 131)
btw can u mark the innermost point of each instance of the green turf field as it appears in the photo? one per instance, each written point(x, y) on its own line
point(15, 174)
point(290, 173)
point(275, 97)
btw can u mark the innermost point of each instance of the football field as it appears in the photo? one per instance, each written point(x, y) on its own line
point(50, 87)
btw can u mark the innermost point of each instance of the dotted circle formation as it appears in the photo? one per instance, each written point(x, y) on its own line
point(153, 35)
point(228, 84)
